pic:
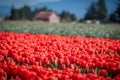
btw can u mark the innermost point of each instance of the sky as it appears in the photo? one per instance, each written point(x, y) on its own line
point(78, 7)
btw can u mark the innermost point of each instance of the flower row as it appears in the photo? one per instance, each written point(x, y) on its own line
point(35, 57)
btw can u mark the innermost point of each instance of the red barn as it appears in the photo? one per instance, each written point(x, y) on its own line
point(48, 17)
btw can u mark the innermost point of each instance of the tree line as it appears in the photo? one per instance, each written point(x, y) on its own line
point(96, 11)
point(25, 13)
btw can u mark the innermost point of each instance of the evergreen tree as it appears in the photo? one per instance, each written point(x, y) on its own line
point(36, 11)
point(25, 13)
point(14, 14)
point(113, 18)
point(102, 11)
point(67, 16)
point(73, 17)
point(92, 12)
point(118, 11)
point(43, 8)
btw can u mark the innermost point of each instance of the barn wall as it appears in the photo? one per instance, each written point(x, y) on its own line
point(54, 18)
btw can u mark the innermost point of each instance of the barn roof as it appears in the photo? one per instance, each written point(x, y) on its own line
point(43, 15)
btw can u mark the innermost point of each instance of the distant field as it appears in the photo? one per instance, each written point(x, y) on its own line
point(111, 31)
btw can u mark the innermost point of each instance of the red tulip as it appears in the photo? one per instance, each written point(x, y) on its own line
point(103, 73)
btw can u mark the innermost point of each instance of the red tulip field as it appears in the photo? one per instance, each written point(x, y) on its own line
point(53, 57)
